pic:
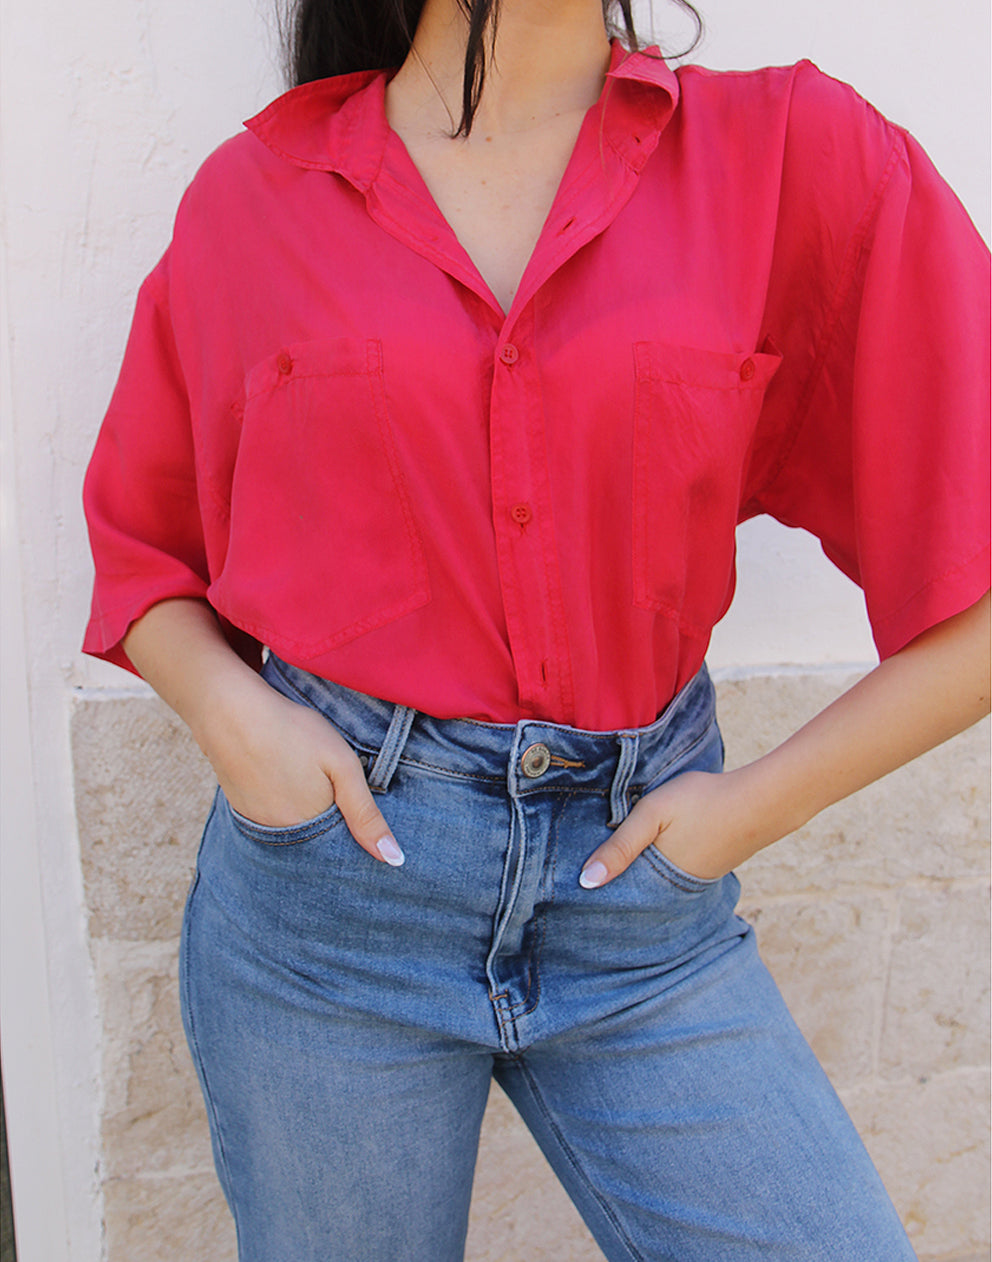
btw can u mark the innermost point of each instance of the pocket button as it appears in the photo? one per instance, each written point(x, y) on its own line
point(747, 370)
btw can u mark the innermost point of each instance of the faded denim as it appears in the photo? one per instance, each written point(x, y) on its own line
point(346, 1018)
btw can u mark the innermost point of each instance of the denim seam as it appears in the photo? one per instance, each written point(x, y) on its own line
point(508, 887)
point(540, 932)
point(676, 758)
point(365, 746)
point(523, 791)
point(672, 878)
point(308, 833)
point(198, 1058)
point(573, 1161)
point(533, 979)
point(505, 1021)
point(464, 775)
point(380, 773)
point(527, 790)
point(450, 772)
point(620, 788)
point(513, 1025)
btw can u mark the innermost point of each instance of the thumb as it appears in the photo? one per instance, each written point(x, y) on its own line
point(636, 832)
point(364, 819)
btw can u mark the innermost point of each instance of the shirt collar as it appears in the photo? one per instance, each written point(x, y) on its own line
point(339, 124)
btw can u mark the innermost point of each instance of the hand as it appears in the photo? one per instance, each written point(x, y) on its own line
point(697, 820)
point(280, 763)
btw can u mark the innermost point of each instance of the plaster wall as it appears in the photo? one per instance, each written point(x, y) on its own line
point(106, 113)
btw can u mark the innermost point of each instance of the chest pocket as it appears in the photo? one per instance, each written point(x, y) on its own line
point(323, 542)
point(695, 413)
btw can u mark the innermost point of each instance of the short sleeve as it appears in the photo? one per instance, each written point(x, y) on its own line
point(887, 461)
point(140, 492)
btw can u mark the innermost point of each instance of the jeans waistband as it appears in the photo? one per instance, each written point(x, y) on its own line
point(530, 756)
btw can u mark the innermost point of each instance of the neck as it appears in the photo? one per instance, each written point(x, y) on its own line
point(550, 57)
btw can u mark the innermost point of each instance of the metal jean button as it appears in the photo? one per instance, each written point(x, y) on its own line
point(535, 761)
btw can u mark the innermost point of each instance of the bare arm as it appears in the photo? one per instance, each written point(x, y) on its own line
point(935, 687)
point(277, 762)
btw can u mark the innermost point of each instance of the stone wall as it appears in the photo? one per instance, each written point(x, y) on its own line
point(873, 919)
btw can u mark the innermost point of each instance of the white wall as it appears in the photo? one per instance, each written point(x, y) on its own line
point(107, 110)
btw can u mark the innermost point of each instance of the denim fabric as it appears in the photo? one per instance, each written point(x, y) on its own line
point(346, 1017)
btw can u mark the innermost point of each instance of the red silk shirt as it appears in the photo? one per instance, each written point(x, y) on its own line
point(753, 294)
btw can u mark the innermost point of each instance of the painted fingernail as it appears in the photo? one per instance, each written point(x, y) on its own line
point(593, 875)
point(390, 851)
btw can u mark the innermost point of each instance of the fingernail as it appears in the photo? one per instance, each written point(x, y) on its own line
point(593, 875)
point(390, 851)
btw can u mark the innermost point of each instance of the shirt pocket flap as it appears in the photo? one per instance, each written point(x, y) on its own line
point(324, 545)
point(705, 369)
point(695, 414)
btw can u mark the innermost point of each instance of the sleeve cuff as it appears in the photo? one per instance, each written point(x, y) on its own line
point(107, 628)
point(937, 600)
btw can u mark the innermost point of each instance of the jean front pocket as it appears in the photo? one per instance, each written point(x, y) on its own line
point(675, 875)
point(286, 835)
point(695, 413)
point(324, 545)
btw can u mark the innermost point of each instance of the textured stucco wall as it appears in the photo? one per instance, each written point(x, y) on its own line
point(873, 920)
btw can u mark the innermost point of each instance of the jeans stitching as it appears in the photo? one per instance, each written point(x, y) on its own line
point(310, 829)
point(542, 922)
point(674, 878)
point(353, 740)
point(198, 1056)
point(676, 758)
point(462, 775)
point(513, 1026)
point(573, 1161)
point(504, 1019)
point(455, 774)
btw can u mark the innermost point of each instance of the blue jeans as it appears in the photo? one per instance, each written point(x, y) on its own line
point(346, 1018)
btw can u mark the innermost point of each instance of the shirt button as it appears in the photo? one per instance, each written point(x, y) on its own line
point(535, 761)
point(284, 364)
point(509, 354)
point(747, 370)
point(521, 513)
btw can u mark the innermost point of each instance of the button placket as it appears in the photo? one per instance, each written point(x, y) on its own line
point(525, 543)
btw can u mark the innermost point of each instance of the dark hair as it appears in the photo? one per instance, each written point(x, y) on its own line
point(330, 37)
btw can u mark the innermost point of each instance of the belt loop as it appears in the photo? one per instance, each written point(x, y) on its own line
point(626, 763)
point(389, 754)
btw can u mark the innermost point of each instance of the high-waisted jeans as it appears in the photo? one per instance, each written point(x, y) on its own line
point(346, 1017)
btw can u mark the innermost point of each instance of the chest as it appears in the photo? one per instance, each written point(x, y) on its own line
point(496, 193)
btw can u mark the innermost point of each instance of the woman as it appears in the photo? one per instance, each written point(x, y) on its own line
point(450, 390)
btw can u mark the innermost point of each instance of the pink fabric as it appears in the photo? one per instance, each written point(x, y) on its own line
point(753, 294)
